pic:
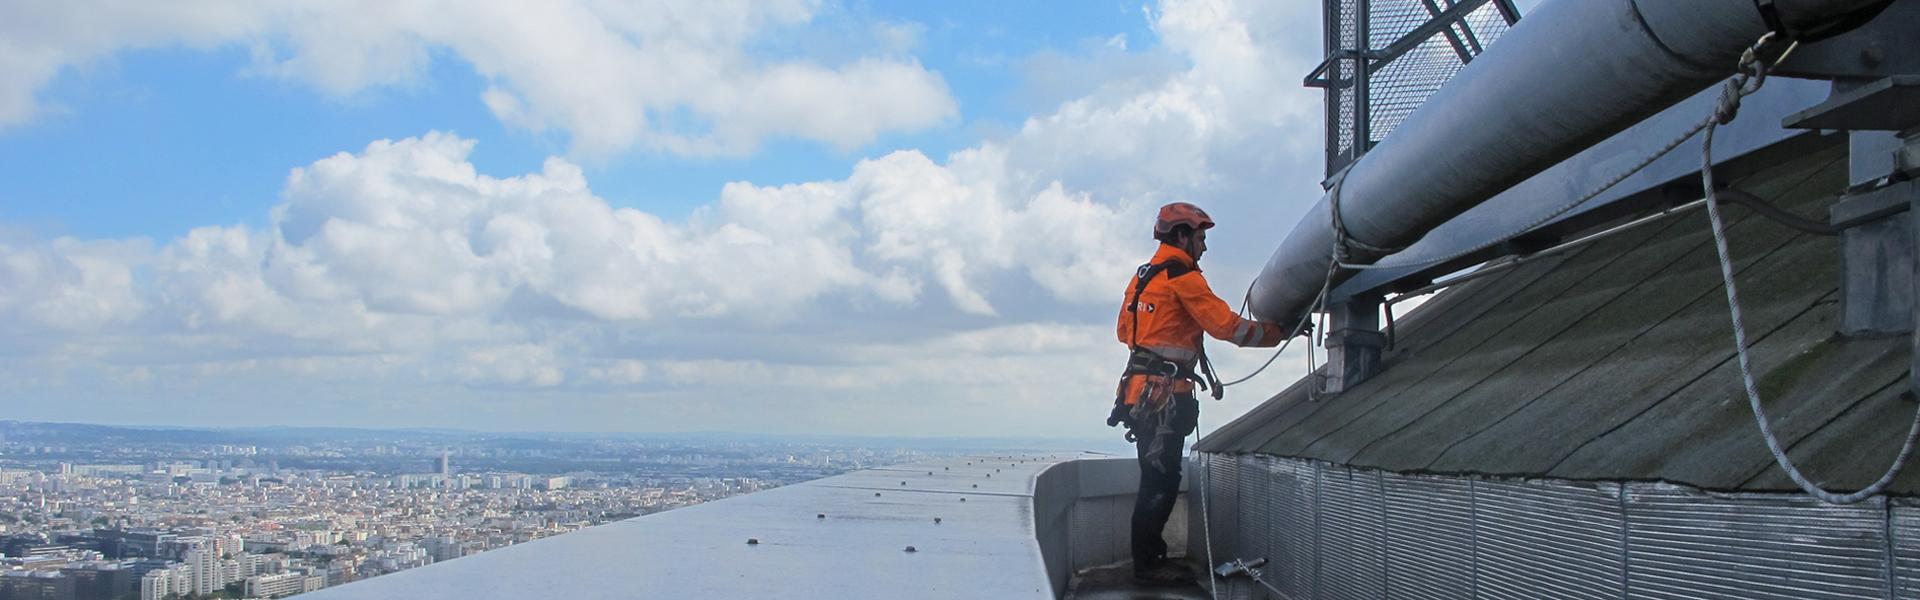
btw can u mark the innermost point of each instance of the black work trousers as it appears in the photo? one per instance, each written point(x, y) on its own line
point(1160, 442)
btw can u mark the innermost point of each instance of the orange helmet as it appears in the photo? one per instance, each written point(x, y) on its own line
point(1181, 213)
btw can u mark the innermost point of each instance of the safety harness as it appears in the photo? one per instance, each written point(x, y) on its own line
point(1142, 361)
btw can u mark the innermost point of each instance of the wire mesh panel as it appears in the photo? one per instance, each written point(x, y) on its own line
point(1689, 544)
point(1430, 543)
point(1386, 57)
point(1352, 534)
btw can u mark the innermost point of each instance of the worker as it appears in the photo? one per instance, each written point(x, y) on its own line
point(1166, 308)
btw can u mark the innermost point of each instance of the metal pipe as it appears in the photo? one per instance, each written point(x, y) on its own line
point(1571, 74)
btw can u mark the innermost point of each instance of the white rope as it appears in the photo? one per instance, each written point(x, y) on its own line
point(1737, 88)
point(1325, 287)
point(1206, 520)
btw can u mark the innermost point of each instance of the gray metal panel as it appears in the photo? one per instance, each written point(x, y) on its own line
point(1200, 486)
point(1294, 565)
point(1430, 542)
point(1256, 516)
point(1547, 540)
point(1689, 544)
point(1094, 540)
point(1352, 534)
point(1905, 523)
point(1223, 503)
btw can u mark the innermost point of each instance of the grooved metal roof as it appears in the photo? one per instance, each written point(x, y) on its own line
point(1615, 362)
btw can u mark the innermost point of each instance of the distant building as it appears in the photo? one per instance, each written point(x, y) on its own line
point(102, 580)
point(155, 585)
point(36, 585)
point(208, 576)
point(283, 585)
point(118, 543)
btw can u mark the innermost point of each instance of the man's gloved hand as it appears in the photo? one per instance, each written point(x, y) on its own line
point(1120, 415)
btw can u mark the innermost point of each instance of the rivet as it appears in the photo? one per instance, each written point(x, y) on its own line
point(911, 549)
point(936, 520)
point(820, 516)
point(753, 541)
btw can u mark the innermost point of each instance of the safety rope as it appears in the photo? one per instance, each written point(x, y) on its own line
point(1343, 241)
point(1753, 74)
point(1318, 301)
point(1206, 520)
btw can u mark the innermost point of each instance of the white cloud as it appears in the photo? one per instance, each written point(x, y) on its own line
point(914, 295)
point(67, 284)
point(672, 75)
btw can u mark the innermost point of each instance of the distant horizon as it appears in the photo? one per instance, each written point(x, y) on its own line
point(1060, 442)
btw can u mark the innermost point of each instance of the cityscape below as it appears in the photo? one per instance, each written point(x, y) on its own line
point(91, 512)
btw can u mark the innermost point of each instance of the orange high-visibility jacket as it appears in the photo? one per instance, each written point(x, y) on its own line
point(1174, 311)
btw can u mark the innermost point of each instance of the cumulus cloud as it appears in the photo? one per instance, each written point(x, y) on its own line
point(917, 292)
point(669, 75)
point(408, 231)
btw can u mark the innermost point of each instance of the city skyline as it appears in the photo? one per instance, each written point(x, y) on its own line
point(101, 513)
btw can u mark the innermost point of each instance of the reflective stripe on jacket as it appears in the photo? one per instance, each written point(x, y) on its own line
point(1173, 313)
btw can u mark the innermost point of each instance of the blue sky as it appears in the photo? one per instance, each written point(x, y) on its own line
point(196, 139)
point(787, 216)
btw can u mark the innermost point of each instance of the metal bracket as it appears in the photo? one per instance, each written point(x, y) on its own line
point(1886, 104)
point(1354, 343)
point(1877, 262)
point(1883, 46)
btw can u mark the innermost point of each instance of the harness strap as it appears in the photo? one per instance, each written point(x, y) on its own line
point(1141, 276)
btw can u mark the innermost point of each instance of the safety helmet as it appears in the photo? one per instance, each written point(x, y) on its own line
point(1181, 213)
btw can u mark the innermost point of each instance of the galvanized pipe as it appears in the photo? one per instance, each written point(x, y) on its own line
point(1570, 74)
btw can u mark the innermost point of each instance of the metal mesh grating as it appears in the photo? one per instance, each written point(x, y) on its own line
point(1397, 83)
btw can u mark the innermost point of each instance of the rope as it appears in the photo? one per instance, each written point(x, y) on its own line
point(1343, 241)
point(1320, 300)
point(1736, 88)
point(1206, 519)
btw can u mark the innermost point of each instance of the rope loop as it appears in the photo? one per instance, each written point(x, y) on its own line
point(1748, 81)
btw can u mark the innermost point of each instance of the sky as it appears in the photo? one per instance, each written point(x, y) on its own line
point(775, 216)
